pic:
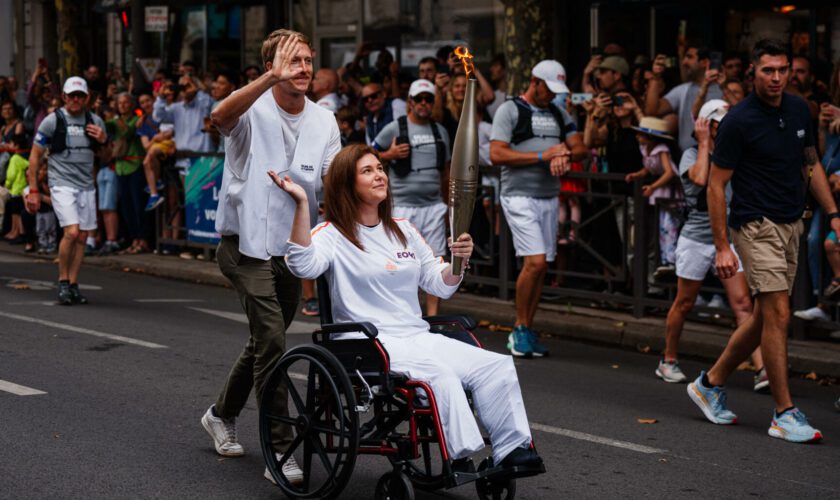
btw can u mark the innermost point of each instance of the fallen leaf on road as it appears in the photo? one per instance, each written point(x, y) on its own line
point(614, 367)
point(811, 376)
point(21, 286)
point(483, 323)
point(827, 381)
point(643, 348)
point(620, 324)
point(746, 366)
point(56, 435)
point(127, 269)
point(647, 420)
point(663, 460)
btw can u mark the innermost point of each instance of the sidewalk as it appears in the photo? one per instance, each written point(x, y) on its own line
point(562, 321)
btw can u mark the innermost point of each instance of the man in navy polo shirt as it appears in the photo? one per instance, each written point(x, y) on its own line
point(765, 145)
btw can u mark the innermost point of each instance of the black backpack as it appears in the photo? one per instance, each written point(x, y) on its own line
point(402, 167)
point(523, 129)
point(59, 138)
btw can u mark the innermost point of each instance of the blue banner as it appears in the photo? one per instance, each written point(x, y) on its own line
point(201, 193)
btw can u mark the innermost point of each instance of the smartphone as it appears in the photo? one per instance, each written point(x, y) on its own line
point(596, 51)
point(617, 100)
point(578, 99)
point(715, 60)
point(443, 68)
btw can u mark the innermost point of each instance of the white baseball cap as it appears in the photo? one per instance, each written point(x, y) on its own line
point(714, 110)
point(421, 86)
point(75, 84)
point(554, 75)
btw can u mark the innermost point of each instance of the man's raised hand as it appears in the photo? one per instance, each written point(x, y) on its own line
point(282, 68)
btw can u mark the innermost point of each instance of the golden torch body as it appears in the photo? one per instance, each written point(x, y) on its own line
point(463, 174)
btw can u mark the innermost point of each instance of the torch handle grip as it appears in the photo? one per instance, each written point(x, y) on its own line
point(457, 266)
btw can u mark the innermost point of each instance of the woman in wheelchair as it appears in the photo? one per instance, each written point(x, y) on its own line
point(374, 265)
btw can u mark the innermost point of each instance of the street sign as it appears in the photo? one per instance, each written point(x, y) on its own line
point(157, 19)
point(149, 67)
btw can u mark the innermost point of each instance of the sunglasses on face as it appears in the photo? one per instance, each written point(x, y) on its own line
point(428, 99)
point(77, 95)
point(370, 97)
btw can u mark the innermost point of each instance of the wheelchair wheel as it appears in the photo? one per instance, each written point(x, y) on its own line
point(426, 473)
point(503, 488)
point(322, 422)
point(394, 486)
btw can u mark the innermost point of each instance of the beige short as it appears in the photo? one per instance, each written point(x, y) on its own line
point(769, 254)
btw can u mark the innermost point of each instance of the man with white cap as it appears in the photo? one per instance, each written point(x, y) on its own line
point(534, 142)
point(418, 149)
point(696, 249)
point(73, 136)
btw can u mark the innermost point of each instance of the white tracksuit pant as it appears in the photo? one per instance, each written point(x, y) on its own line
point(450, 366)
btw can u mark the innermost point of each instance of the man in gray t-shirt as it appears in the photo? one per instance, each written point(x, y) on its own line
point(419, 170)
point(681, 98)
point(73, 137)
point(534, 143)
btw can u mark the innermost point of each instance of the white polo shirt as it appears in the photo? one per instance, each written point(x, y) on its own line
point(267, 138)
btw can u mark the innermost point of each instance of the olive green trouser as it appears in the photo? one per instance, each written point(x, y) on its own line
point(270, 295)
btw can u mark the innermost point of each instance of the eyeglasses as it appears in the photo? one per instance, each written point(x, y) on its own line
point(368, 98)
point(76, 95)
point(428, 99)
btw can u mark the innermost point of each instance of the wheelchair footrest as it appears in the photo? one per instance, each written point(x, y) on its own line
point(497, 473)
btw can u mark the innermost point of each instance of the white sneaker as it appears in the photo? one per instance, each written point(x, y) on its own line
point(717, 301)
point(670, 372)
point(223, 433)
point(812, 314)
point(290, 469)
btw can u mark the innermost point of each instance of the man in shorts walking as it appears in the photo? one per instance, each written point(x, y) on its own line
point(766, 146)
point(73, 136)
point(535, 142)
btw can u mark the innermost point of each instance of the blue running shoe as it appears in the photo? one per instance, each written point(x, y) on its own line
point(538, 349)
point(793, 426)
point(159, 185)
point(154, 201)
point(519, 343)
point(711, 401)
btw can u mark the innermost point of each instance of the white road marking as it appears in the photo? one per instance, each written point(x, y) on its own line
point(596, 439)
point(19, 390)
point(33, 303)
point(172, 301)
point(41, 285)
point(85, 331)
point(296, 328)
point(12, 259)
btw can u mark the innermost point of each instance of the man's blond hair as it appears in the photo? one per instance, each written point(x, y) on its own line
point(269, 46)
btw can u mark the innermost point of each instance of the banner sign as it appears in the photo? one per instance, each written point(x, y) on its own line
point(157, 19)
point(201, 193)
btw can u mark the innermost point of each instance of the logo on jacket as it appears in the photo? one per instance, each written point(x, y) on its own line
point(405, 255)
point(800, 133)
point(390, 266)
point(307, 168)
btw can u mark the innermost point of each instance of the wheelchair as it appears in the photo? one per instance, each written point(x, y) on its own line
point(354, 405)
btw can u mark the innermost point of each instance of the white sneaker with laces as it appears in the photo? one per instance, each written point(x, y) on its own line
point(223, 433)
point(812, 314)
point(670, 372)
point(291, 470)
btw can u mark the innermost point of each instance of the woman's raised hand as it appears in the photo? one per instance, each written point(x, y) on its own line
point(288, 185)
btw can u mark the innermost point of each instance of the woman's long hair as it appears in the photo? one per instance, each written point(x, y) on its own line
point(341, 202)
point(452, 105)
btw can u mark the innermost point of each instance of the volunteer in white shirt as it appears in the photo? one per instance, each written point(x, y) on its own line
point(269, 125)
point(374, 265)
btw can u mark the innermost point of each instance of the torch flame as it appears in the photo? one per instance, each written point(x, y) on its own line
point(466, 58)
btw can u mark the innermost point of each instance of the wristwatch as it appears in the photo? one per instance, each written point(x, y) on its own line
point(833, 215)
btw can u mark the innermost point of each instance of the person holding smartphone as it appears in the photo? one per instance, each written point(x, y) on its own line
point(418, 149)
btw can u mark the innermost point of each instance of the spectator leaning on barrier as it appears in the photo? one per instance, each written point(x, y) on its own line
point(187, 115)
point(73, 136)
point(765, 145)
point(534, 142)
point(696, 250)
point(158, 144)
point(680, 99)
point(269, 125)
point(418, 149)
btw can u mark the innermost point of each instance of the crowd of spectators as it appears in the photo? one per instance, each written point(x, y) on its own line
point(636, 118)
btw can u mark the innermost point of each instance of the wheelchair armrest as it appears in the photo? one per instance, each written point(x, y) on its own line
point(465, 321)
point(327, 330)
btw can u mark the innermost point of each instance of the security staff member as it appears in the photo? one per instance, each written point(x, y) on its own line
point(418, 150)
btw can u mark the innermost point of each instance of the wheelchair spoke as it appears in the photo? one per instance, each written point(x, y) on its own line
point(301, 408)
point(329, 430)
point(322, 454)
point(310, 387)
point(292, 447)
point(281, 418)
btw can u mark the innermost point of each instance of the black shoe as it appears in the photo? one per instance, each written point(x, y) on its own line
point(463, 465)
point(65, 298)
point(521, 457)
point(76, 296)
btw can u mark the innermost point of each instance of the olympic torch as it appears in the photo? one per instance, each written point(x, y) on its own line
point(463, 176)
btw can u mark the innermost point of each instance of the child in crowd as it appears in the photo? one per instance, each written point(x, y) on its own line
point(570, 205)
point(45, 222)
point(157, 139)
point(15, 184)
point(652, 135)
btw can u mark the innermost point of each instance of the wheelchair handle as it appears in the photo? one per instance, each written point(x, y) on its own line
point(329, 329)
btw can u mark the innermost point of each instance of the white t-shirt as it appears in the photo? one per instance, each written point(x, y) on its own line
point(266, 138)
point(378, 284)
